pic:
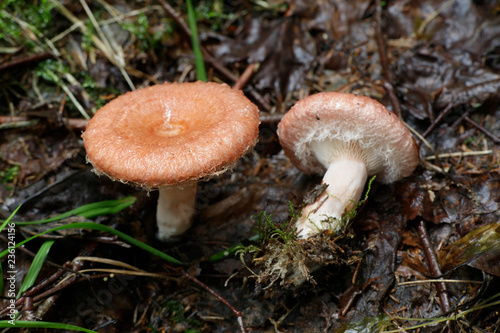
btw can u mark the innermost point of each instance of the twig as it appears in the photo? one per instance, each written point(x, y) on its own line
point(237, 313)
point(270, 118)
point(65, 282)
point(434, 267)
point(33, 290)
point(18, 121)
point(393, 98)
point(246, 76)
point(25, 61)
point(482, 129)
point(28, 312)
point(437, 120)
point(439, 281)
point(71, 270)
point(459, 154)
point(383, 61)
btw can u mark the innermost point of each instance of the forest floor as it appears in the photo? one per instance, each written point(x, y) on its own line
point(423, 252)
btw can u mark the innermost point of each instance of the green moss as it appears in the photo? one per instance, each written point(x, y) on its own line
point(178, 315)
point(8, 175)
point(19, 19)
point(216, 13)
point(146, 37)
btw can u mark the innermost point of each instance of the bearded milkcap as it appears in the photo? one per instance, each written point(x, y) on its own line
point(347, 138)
point(169, 136)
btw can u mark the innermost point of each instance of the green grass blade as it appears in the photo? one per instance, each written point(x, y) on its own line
point(4, 223)
point(35, 267)
point(108, 207)
point(104, 228)
point(201, 73)
point(41, 324)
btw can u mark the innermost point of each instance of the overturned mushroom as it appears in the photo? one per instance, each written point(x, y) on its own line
point(169, 136)
point(348, 138)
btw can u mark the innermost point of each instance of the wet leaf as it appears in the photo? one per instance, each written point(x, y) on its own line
point(479, 242)
point(284, 50)
point(443, 77)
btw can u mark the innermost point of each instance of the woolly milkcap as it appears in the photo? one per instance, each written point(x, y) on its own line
point(171, 133)
point(347, 125)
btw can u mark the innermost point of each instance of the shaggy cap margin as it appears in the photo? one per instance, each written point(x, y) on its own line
point(357, 126)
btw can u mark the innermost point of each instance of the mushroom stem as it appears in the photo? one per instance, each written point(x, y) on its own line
point(346, 179)
point(175, 210)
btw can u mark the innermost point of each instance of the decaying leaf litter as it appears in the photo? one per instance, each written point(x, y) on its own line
point(436, 62)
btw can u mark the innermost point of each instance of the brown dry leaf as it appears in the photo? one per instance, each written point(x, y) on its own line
point(410, 266)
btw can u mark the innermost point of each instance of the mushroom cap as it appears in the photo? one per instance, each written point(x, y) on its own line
point(171, 133)
point(330, 125)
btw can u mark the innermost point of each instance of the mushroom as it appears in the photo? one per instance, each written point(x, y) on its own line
point(347, 138)
point(169, 136)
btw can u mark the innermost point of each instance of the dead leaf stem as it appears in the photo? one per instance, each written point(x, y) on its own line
point(434, 266)
point(482, 129)
point(236, 312)
point(437, 120)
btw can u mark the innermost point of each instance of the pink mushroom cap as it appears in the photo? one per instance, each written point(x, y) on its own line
point(349, 125)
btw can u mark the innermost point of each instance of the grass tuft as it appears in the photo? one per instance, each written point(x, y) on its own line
point(201, 73)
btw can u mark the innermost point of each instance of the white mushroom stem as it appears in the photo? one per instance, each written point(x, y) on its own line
point(176, 208)
point(346, 179)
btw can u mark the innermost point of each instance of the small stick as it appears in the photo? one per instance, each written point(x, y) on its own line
point(21, 301)
point(245, 76)
point(71, 123)
point(29, 310)
point(44, 283)
point(64, 269)
point(482, 129)
point(434, 267)
point(270, 118)
point(437, 120)
point(25, 61)
point(459, 154)
point(237, 313)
